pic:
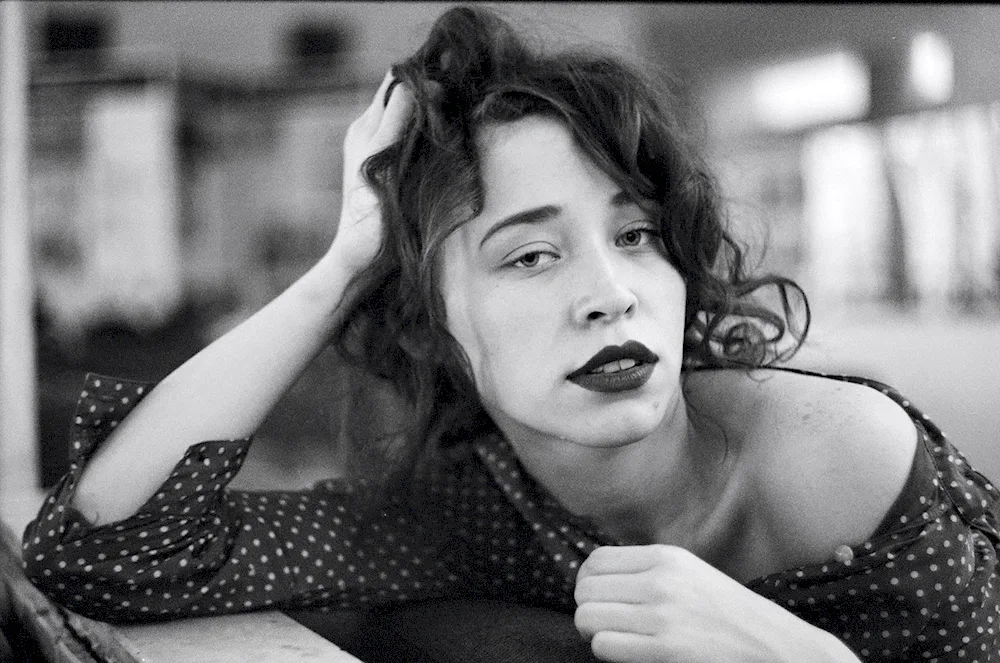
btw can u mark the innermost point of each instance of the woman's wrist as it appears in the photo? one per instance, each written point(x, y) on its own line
point(326, 286)
point(794, 639)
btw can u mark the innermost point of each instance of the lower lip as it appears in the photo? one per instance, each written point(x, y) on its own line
point(627, 380)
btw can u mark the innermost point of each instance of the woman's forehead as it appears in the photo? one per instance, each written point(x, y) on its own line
point(534, 168)
point(499, 142)
point(529, 155)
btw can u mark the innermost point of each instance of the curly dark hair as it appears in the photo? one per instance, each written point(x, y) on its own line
point(474, 70)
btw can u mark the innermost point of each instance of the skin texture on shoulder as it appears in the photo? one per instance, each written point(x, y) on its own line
point(823, 460)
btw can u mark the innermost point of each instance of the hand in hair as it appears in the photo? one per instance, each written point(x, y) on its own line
point(359, 233)
point(645, 604)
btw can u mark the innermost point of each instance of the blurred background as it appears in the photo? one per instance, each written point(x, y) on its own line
point(182, 167)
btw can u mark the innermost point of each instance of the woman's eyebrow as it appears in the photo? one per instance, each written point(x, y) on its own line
point(534, 215)
point(544, 213)
point(621, 199)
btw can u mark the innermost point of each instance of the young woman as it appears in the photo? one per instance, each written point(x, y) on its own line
point(532, 255)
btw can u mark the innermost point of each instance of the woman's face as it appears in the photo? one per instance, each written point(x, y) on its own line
point(559, 266)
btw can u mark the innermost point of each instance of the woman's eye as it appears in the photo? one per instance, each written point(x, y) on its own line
point(632, 238)
point(637, 236)
point(532, 259)
point(529, 259)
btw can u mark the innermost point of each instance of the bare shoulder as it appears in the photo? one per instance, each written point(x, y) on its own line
point(824, 459)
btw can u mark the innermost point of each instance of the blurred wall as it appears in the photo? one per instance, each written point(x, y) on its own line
point(946, 363)
point(246, 38)
point(705, 41)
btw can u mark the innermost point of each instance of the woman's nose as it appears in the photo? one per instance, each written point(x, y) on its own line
point(604, 297)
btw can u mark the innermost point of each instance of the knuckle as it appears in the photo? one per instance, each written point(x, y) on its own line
point(662, 615)
point(601, 552)
point(596, 558)
point(602, 644)
point(584, 619)
point(659, 586)
point(664, 553)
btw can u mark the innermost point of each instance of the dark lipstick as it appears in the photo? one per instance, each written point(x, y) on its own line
point(618, 379)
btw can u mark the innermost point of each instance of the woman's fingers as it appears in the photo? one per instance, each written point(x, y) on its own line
point(617, 647)
point(384, 119)
point(625, 588)
point(631, 559)
point(388, 93)
point(360, 229)
point(592, 618)
point(366, 124)
point(378, 101)
point(366, 135)
point(397, 113)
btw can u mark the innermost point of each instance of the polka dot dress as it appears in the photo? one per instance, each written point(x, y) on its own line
point(922, 588)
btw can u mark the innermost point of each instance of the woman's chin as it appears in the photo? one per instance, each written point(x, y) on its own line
point(608, 426)
point(622, 432)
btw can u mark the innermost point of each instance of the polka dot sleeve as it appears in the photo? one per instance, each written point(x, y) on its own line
point(196, 548)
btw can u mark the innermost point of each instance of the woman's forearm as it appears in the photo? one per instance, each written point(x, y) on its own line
point(223, 392)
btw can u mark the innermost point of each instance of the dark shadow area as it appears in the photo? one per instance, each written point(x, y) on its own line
point(454, 631)
point(111, 349)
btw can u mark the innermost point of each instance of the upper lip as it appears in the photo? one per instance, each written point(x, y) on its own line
point(628, 350)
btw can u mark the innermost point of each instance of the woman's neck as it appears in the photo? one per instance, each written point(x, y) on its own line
point(665, 488)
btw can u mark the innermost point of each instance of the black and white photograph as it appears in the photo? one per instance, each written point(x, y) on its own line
point(544, 332)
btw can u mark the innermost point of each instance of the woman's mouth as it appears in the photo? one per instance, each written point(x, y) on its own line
point(616, 368)
point(624, 379)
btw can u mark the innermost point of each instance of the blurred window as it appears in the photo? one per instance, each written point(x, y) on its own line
point(814, 90)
